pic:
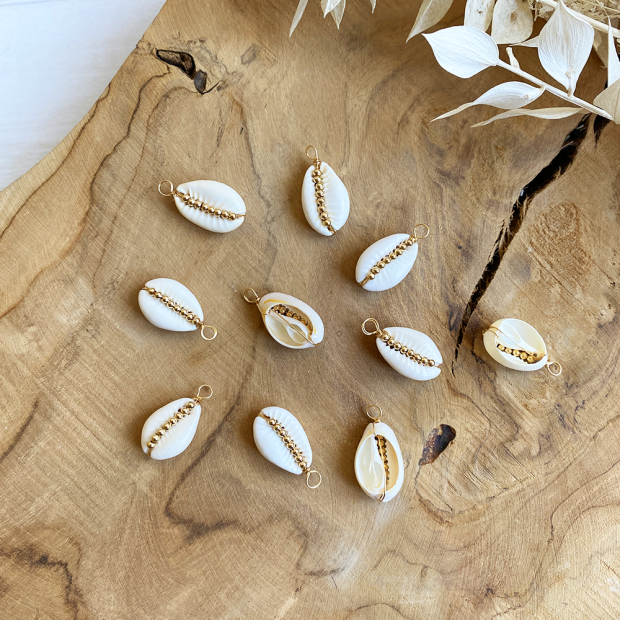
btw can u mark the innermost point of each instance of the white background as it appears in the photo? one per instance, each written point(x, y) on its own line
point(56, 58)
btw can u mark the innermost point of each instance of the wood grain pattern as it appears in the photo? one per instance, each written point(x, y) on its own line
point(518, 518)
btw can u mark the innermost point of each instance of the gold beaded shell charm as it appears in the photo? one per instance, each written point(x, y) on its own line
point(208, 204)
point(379, 466)
point(290, 321)
point(517, 345)
point(281, 439)
point(168, 304)
point(387, 262)
point(324, 197)
point(412, 353)
point(169, 430)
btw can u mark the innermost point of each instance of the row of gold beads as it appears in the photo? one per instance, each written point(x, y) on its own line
point(386, 260)
point(296, 453)
point(402, 349)
point(202, 206)
point(526, 356)
point(185, 410)
point(380, 439)
point(188, 315)
point(319, 192)
point(284, 311)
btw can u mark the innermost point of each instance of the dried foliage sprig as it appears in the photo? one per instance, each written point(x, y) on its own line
point(564, 45)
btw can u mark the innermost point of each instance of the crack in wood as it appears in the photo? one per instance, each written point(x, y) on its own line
point(438, 440)
point(550, 173)
point(185, 62)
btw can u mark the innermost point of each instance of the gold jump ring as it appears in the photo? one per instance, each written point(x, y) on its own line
point(164, 193)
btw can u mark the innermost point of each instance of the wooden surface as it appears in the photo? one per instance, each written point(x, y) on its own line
point(518, 518)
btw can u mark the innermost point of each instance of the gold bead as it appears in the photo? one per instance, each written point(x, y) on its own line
point(385, 337)
point(320, 202)
point(387, 260)
point(191, 404)
point(319, 186)
point(321, 209)
point(191, 202)
point(417, 357)
point(320, 194)
point(232, 216)
point(165, 298)
point(155, 438)
point(523, 355)
point(393, 255)
point(167, 426)
point(211, 210)
point(150, 444)
point(218, 212)
point(404, 350)
point(391, 342)
point(327, 222)
point(530, 359)
point(398, 252)
point(409, 242)
point(501, 347)
point(173, 420)
point(158, 295)
point(375, 270)
point(303, 464)
point(224, 214)
point(431, 363)
point(507, 350)
point(397, 346)
point(424, 361)
point(381, 264)
point(272, 422)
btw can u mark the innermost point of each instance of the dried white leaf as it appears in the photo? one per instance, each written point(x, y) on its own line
point(609, 100)
point(478, 14)
point(505, 96)
point(613, 64)
point(564, 46)
point(328, 6)
point(373, 4)
point(429, 14)
point(513, 59)
point(533, 42)
point(512, 21)
point(301, 7)
point(463, 50)
point(548, 113)
point(338, 12)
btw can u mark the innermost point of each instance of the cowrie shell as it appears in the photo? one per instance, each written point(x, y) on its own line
point(417, 342)
point(178, 437)
point(516, 333)
point(160, 315)
point(215, 195)
point(270, 444)
point(289, 331)
point(394, 272)
point(369, 465)
point(336, 198)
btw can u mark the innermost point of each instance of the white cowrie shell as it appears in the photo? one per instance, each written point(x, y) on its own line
point(369, 467)
point(160, 315)
point(178, 437)
point(215, 195)
point(270, 444)
point(287, 331)
point(336, 198)
point(394, 272)
point(414, 341)
point(516, 333)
